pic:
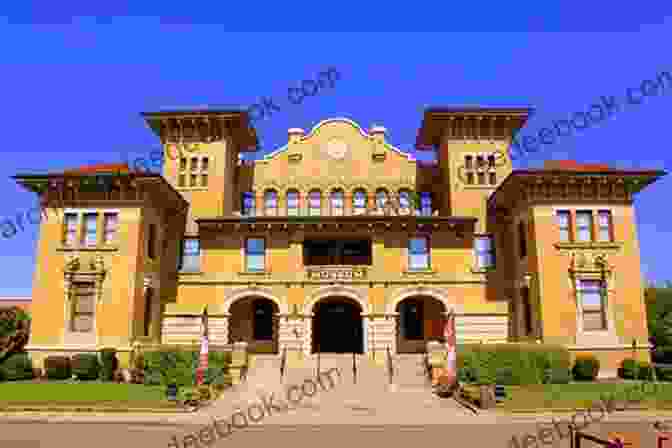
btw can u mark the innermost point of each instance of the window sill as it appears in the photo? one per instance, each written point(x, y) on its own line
point(588, 245)
point(427, 271)
point(101, 248)
point(191, 188)
point(475, 270)
point(255, 273)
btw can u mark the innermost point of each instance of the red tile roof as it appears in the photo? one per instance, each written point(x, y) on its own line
point(99, 168)
point(573, 165)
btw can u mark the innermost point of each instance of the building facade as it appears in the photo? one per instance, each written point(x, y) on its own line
point(339, 242)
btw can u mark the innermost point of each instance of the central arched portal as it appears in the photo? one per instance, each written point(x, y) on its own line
point(337, 326)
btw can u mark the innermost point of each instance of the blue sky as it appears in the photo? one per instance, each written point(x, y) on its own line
point(74, 88)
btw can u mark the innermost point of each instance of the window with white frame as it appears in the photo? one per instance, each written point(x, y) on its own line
point(418, 253)
point(89, 236)
point(314, 203)
point(255, 254)
point(485, 251)
point(605, 228)
point(404, 200)
point(426, 203)
point(337, 202)
point(359, 202)
point(584, 225)
point(292, 203)
point(110, 226)
point(271, 203)
point(190, 260)
point(83, 304)
point(564, 224)
point(248, 203)
point(381, 199)
point(592, 297)
point(70, 229)
point(196, 167)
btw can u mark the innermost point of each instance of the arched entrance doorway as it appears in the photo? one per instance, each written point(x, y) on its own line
point(337, 326)
point(420, 320)
point(253, 320)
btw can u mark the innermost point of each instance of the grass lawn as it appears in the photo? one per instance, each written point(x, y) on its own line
point(582, 395)
point(27, 393)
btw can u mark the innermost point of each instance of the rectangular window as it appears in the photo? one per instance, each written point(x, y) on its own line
point(151, 241)
point(418, 253)
point(191, 255)
point(110, 225)
point(485, 252)
point(293, 203)
point(248, 203)
point(192, 180)
point(584, 225)
point(255, 254)
point(481, 178)
point(592, 304)
point(194, 164)
point(469, 162)
point(522, 239)
point(605, 226)
point(90, 229)
point(70, 236)
point(426, 203)
point(563, 217)
point(470, 178)
point(493, 178)
point(181, 182)
point(83, 306)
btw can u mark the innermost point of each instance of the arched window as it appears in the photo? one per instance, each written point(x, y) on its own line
point(248, 203)
point(314, 203)
point(404, 201)
point(426, 203)
point(271, 203)
point(359, 202)
point(381, 198)
point(337, 202)
point(292, 202)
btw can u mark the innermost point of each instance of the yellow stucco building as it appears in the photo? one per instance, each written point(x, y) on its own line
point(339, 242)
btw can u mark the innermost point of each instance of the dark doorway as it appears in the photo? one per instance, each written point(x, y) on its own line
point(420, 320)
point(337, 327)
point(263, 319)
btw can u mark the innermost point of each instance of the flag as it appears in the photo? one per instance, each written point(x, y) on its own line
point(203, 361)
point(451, 346)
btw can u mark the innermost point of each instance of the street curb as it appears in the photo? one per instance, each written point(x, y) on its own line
point(92, 410)
point(550, 410)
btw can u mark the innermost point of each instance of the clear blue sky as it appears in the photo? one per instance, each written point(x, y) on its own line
point(73, 88)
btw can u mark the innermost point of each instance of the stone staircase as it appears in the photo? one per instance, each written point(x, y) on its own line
point(370, 395)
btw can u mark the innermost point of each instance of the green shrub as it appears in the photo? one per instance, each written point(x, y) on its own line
point(513, 364)
point(17, 366)
point(109, 363)
point(85, 366)
point(664, 373)
point(645, 371)
point(628, 369)
point(57, 367)
point(586, 368)
point(179, 366)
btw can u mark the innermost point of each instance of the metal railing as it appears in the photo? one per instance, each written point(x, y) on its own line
point(390, 366)
point(283, 363)
point(354, 368)
point(579, 436)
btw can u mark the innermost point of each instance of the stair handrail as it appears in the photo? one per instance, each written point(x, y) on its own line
point(390, 367)
point(283, 361)
point(354, 368)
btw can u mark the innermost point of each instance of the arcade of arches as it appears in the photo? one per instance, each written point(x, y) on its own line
point(337, 325)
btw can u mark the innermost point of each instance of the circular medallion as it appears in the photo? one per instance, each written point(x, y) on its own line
point(337, 149)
